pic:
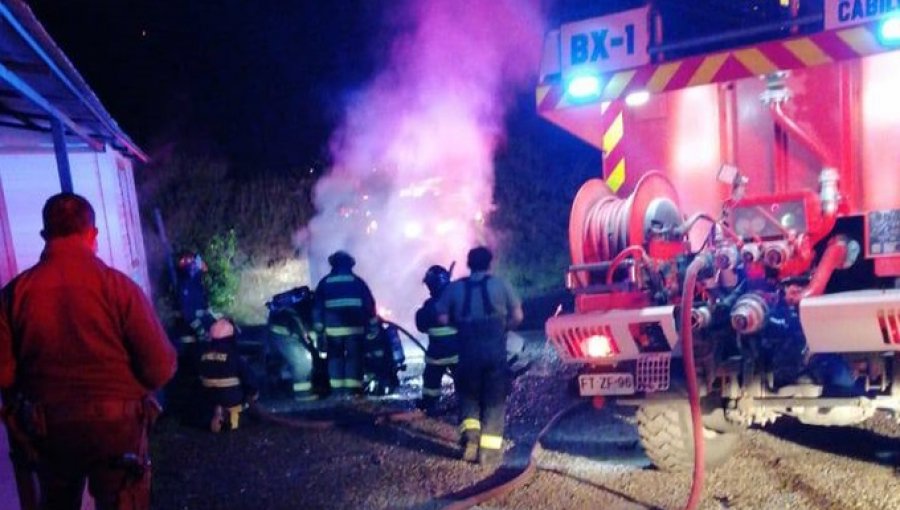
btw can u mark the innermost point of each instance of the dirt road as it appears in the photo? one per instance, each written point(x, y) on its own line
point(590, 460)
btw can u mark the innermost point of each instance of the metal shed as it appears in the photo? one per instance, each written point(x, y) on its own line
point(56, 135)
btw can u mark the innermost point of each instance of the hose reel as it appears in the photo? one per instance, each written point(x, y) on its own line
point(601, 224)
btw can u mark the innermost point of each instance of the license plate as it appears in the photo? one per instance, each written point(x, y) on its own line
point(618, 383)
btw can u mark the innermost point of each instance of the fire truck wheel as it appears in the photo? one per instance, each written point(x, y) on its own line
point(667, 438)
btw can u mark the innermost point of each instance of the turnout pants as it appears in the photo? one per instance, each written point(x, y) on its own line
point(481, 382)
point(345, 363)
point(441, 356)
point(104, 443)
point(300, 364)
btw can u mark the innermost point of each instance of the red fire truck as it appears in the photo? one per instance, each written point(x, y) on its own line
point(745, 236)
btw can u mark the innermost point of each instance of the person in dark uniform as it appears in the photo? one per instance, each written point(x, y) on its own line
point(81, 352)
point(443, 352)
point(288, 326)
point(193, 304)
point(227, 381)
point(483, 307)
point(344, 315)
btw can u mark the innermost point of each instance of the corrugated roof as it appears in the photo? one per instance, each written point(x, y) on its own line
point(39, 83)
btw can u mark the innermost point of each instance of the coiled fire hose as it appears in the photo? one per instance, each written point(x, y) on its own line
point(690, 372)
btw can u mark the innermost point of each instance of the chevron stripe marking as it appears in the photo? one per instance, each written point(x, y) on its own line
point(613, 135)
point(860, 40)
point(662, 76)
point(618, 83)
point(755, 61)
point(617, 177)
point(807, 52)
point(542, 92)
point(708, 69)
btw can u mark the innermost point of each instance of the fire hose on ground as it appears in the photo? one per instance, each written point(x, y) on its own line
point(520, 478)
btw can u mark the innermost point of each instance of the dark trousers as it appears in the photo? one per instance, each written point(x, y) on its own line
point(482, 383)
point(431, 382)
point(481, 386)
point(300, 364)
point(345, 364)
point(442, 356)
point(107, 453)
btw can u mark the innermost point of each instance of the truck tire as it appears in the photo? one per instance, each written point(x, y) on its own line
point(668, 440)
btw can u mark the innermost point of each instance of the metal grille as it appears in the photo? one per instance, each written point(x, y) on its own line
point(889, 324)
point(569, 340)
point(652, 372)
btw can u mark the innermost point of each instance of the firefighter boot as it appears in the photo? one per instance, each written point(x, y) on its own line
point(218, 420)
point(489, 457)
point(470, 440)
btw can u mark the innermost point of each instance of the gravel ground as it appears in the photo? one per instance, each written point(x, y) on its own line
point(590, 459)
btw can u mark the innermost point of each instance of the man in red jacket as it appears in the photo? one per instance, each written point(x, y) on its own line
point(81, 351)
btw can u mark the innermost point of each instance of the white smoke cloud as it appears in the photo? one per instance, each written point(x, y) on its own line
point(412, 180)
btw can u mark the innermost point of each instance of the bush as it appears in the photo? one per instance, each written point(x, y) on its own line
point(222, 279)
point(236, 223)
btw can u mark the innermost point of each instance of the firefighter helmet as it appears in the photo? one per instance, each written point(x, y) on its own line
point(190, 263)
point(341, 260)
point(436, 278)
point(222, 329)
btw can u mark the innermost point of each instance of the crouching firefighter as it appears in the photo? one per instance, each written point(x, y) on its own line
point(443, 349)
point(344, 312)
point(228, 384)
point(483, 307)
point(384, 359)
point(289, 317)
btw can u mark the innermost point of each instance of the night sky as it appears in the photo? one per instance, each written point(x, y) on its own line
point(262, 83)
point(258, 82)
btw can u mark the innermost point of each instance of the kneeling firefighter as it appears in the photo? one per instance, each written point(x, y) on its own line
point(344, 313)
point(228, 384)
point(290, 313)
point(384, 359)
point(443, 349)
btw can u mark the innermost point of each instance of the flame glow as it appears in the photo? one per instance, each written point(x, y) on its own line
point(417, 144)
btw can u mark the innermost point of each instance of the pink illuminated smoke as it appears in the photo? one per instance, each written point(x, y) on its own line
point(412, 180)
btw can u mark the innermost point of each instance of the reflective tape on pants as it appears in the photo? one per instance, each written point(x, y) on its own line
point(490, 442)
point(344, 331)
point(431, 392)
point(470, 424)
point(302, 386)
point(442, 362)
point(225, 382)
point(345, 383)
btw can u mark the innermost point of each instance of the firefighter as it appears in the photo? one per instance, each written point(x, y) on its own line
point(443, 352)
point(193, 305)
point(81, 351)
point(289, 334)
point(228, 384)
point(344, 319)
point(483, 307)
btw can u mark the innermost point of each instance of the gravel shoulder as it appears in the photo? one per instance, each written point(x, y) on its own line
point(590, 459)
